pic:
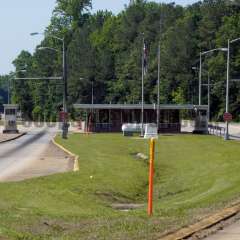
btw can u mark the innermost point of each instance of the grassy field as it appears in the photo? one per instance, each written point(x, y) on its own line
point(195, 175)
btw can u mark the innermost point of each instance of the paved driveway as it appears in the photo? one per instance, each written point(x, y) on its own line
point(234, 128)
point(32, 155)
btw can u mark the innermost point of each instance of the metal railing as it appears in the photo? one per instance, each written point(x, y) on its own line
point(216, 130)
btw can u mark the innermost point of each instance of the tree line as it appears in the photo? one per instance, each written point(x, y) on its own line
point(104, 52)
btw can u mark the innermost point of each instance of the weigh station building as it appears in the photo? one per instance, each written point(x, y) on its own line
point(111, 117)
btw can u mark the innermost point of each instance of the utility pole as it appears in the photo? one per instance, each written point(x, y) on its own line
point(92, 93)
point(158, 87)
point(209, 116)
point(65, 125)
point(142, 112)
point(226, 137)
point(200, 81)
point(159, 71)
point(64, 78)
point(65, 95)
point(208, 85)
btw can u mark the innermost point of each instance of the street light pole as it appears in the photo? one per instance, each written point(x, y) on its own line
point(142, 112)
point(208, 87)
point(65, 121)
point(200, 74)
point(92, 94)
point(226, 137)
point(158, 87)
point(200, 80)
point(159, 72)
point(64, 77)
point(209, 116)
point(200, 69)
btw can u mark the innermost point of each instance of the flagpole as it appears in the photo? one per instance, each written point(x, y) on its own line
point(158, 87)
point(142, 113)
point(159, 72)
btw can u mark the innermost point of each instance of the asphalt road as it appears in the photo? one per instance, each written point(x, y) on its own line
point(229, 233)
point(23, 153)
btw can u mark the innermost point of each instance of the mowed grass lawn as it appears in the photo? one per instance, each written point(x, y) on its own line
point(194, 176)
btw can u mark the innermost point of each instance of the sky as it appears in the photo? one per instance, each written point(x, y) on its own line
point(18, 18)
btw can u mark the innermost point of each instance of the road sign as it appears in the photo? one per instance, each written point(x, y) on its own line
point(227, 117)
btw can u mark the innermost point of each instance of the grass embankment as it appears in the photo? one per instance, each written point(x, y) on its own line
point(194, 176)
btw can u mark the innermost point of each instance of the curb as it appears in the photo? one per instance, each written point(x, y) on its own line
point(76, 163)
point(11, 139)
point(203, 224)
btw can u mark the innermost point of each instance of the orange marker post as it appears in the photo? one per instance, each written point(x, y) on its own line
point(151, 175)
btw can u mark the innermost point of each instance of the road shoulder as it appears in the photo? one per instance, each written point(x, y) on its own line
point(74, 156)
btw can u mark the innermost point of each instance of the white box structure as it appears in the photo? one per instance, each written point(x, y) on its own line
point(151, 131)
point(10, 118)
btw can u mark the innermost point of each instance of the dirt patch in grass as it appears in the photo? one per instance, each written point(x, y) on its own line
point(113, 197)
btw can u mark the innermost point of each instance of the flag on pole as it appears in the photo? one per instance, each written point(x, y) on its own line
point(144, 58)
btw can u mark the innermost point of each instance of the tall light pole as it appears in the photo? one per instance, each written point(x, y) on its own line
point(200, 68)
point(226, 137)
point(92, 93)
point(196, 69)
point(200, 81)
point(208, 85)
point(159, 72)
point(142, 110)
point(63, 65)
point(158, 85)
point(209, 103)
point(64, 77)
point(209, 113)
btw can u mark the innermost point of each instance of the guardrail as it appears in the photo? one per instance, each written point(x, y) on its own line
point(216, 130)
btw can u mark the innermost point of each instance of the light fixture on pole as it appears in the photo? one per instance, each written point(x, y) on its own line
point(158, 86)
point(48, 48)
point(64, 77)
point(209, 95)
point(63, 63)
point(226, 137)
point(200, 68)
point(143, 74)
point(159, 72)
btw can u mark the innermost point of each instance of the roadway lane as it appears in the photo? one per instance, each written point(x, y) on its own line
point(23, 153)
point(229, 233)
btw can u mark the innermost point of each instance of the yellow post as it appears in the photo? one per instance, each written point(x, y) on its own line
point(151, 176)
